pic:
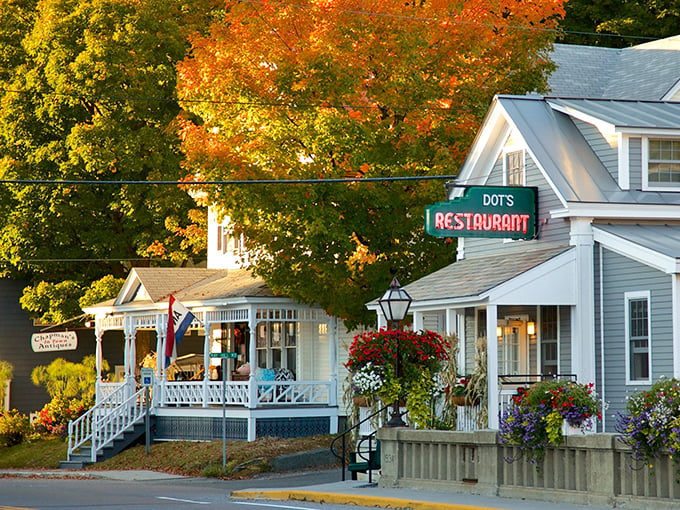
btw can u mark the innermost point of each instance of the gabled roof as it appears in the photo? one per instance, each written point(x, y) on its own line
point(470, 278)
point(647, 71)
point(155, 285)
point(653, 245)
point(561, 152)
point(625, 114)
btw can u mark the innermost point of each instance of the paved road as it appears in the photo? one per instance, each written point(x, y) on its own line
point(140, 490)
point(312, 490)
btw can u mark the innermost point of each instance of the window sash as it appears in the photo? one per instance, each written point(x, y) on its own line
point(514, 168)
point(638, 340)
point(664, 162)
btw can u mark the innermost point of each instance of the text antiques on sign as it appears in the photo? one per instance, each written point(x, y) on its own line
point(486, 211)
point(54, 341)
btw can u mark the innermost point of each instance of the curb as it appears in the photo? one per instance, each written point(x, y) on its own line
point(353, 499)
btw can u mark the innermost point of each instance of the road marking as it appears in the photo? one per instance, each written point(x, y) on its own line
point(15, 508)
point(273, 505)
point(184, 500)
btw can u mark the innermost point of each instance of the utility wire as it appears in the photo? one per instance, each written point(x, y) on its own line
point(228, 182)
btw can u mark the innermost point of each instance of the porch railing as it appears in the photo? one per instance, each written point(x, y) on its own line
point(294, 392)
point(196, 393)
point(105, 422)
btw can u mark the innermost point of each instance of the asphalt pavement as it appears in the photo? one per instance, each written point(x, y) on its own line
point(322, 486)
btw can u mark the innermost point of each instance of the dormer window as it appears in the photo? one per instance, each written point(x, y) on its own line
point(664, 162)
point(514, 168)
point(661, 164)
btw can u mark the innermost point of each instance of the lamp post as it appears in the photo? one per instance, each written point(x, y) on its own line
point(395, 304)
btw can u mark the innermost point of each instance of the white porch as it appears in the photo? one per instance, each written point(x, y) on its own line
point(254, 404)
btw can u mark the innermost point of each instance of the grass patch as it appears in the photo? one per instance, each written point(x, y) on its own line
point(43, 453)
point(190, 458)
point(186, 458)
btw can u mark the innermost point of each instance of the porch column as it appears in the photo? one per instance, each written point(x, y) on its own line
point(206, 360)
point(98, 333)
point(252, 356)
point(252, 381)
point(333, 357)
point(492, 364)
point(583, 325)
point(456, 326)
point(160, 361)
point(417, 321)
point(130, 358)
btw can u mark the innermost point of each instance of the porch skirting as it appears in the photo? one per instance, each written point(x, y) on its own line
point(202, 426)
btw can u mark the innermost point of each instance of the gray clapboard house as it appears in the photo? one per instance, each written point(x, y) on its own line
point(594, 294)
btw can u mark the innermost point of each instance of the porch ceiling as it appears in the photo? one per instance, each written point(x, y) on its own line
point(489, 278)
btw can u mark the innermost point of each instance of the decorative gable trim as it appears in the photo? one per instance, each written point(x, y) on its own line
point(129, 290)
point(673, 93)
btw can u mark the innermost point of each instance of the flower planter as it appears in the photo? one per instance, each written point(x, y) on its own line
point(361, 401)
point(464, 400)
point(570, 430)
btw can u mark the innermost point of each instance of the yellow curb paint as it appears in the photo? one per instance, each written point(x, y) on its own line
point(354, 499)
point(15, 508)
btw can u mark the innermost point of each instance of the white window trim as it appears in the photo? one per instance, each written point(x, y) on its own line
point(645, 165)
point(628, 297)
point(509, 150)
point(624, 161)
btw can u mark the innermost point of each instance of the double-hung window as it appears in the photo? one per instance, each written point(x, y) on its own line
point(663, 163)
point(638, 339)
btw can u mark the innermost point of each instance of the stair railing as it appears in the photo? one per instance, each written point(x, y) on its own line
point(343, 441)
point(106, 421)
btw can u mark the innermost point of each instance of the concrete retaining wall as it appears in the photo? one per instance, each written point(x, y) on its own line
point(587, 469)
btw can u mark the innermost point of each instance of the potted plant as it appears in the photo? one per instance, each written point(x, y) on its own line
point(535, 418)
point(651, 423)
point(460, 395)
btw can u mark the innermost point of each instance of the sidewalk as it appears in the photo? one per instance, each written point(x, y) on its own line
point(361, 493)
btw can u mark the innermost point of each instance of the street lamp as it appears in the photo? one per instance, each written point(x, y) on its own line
point(395, 304)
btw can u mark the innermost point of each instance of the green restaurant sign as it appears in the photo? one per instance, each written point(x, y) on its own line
point(486, 211)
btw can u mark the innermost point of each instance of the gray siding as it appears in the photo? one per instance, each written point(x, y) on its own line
point(554, 232)
point(605, 147)
point(15, 347)
point(564, 315)
point(635, 162)
point(470, 338)
point(621, 275)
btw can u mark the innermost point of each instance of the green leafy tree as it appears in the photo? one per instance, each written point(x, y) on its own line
point(613, 20)
point(6, 375)
point(87, 91)
point(68, 380)
point(350, 89)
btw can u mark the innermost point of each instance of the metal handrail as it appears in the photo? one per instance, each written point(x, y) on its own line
point(343, 457)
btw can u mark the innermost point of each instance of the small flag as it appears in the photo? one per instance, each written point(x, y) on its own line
point(179, 320)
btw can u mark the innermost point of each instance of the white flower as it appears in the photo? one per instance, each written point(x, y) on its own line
point(367, 379)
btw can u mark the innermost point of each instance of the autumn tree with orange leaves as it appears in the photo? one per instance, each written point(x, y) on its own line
point(334, 89)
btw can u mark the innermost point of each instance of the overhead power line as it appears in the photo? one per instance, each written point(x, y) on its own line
point(226, 182)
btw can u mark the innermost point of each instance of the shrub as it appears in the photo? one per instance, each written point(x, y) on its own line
point(53, 418)
point(14, 427)
point(651, 424)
